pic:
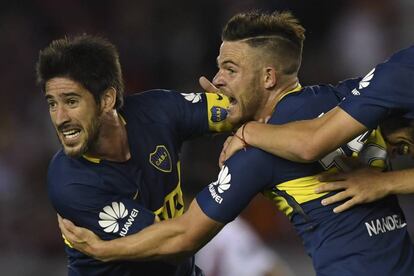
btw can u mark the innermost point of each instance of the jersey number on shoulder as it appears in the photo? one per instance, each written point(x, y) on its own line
point(333, 159)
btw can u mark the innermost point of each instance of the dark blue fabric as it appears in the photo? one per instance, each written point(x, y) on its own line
point(389, 88)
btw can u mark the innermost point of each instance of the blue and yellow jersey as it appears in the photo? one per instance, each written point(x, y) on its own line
point(386, 89)
point(115, 199)
point(369, 239)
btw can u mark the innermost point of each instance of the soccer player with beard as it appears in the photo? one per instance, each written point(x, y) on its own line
point(119, 167)
point(385, 91)
point(258, 64)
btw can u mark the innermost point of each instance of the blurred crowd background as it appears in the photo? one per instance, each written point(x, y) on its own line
point(162, 44)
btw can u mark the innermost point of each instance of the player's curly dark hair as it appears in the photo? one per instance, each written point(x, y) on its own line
point(279, 32)
point(90, 60)
point(396, 121)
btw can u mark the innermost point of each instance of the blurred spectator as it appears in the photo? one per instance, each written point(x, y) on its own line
point(367, 31)
point(237, 250)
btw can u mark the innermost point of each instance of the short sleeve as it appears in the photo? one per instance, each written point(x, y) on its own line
point(385, 89)
point(242, 177)
point(189, 114)
point(199, 113)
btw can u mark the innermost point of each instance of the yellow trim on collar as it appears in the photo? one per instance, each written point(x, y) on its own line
point(91, 159)
point(296, 89)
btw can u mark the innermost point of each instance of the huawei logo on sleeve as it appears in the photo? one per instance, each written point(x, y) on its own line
point(363, 83)
point(222, 184)
point(366, 80)
point(110, 216)
point(192, 97)
point(223, 180)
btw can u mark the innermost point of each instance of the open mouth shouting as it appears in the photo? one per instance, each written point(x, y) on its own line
point(70, 136)
point(233, 103)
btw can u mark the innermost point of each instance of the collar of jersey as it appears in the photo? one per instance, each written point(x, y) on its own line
point(296, 89)
point(98, 160)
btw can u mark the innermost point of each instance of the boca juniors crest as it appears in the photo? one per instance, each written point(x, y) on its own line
point(218, 114)
point(160, 159)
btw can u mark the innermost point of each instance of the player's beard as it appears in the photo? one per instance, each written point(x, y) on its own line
point(91, 134)
point(248, 103)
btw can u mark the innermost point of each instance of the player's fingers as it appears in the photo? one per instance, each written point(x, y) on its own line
point(227, 142)
point(222, 158)
point(75, 232)
point(60, 223)
point(66, 231)
point(329, 187)
point(68, 224)
point(345, 206)
point(207, 85)
point(335, 198)
point(229, 151)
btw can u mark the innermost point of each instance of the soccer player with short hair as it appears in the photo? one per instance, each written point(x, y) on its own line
point(385, 91)
point(258, 64)
point(119, 167)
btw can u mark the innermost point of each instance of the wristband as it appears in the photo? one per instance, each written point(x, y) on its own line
point(245, 144)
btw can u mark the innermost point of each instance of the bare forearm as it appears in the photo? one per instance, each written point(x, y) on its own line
point(175, 238)
point(275, 139)
point(304, 141)
point(400, 182)
point(162, 240)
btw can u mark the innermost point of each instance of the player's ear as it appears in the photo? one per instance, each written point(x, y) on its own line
point(108, 99)
point(269, 77)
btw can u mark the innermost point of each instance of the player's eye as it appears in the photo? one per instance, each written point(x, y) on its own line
point(72, 102)
point(52, 105)
point(403, 148)
point(231, 70)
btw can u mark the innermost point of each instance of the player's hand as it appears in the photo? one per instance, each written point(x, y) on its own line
point(359, 186)
point(235, 143)
point(223, 157)
point(231, 146)
point(207, 85)
point(81, 239)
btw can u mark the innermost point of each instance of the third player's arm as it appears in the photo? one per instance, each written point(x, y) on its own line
point(365, 185)
point(305, 141)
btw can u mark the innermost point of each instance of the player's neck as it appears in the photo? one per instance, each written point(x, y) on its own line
point(276, 95)
point(112, 143)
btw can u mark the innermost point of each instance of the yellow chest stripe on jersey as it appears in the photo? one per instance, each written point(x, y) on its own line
point(217, 105)
point(301, 190)
point(173, 202)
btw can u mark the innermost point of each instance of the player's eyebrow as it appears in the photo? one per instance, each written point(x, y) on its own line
point(67, 94)
point(224, 62)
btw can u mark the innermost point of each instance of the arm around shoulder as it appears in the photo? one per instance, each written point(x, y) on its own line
point(305, 141)
point(175, 238)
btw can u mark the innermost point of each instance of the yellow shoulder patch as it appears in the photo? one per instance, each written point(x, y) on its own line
point(217, 105)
